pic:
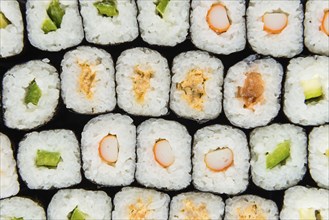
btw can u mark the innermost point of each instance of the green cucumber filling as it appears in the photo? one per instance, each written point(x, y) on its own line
point(279, 155)
point(161, 7)
point(309, 214)
point(15, 218)
point(77, 214)
point(47, 159)
point(33, 93)
point(55, 14)
point(107, 8)
point(327, 153)
point(4, 22)
point(312, 90)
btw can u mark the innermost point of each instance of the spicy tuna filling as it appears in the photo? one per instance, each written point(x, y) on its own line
point(193, 211)
point(141, 82)
point(87, 80)
point(139, 210)
point(252, 212)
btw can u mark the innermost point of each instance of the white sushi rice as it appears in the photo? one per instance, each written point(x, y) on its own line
point(102, 87)
point(12, 37)
point(263, 141)
point(156, 97)
point(295, 108)
point(67, 172)
point(250, 207)
point(20, 207)
point(68, 35)
point(167, 31)
point(213, 71)
point(234, 179)
point(138, 203)
point(177, 175)
point(95, 204)
point(289, 42)
point(300, 198)
point(100, 29)
point(195, 205)
point(264, 111)
point(9, 185)
point(19, 115)
point(98, 171)
point(203, 37)
point(318, 161)
point(316, 40)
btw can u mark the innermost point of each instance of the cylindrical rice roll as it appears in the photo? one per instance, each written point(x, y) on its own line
point(164, 151)
point(250, 207)
point(108, 150)
point(49, 159)
point(138, 203)
point(143, 82)
point(316, 25)
point(229, 173)
point(163, 22)
point(318, 155)
point(218, 27)
point(30, 94)
point(275, 27)
point(278, 156)
point(300, 202)
point(11, 29)
point(9, 185)
point(120, 18)
point(252, 89)
point(21, 208)
point(87, 80)
point(196, 86)
point(193, 206)
point(306, 90)
point(79, 204)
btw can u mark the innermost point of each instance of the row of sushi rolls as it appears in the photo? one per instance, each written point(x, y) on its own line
point(161, 154)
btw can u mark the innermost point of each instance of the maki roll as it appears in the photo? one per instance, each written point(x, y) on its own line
point(87, 80)
point(163, 22)
point(11, 29)
point(108, 150)
point(9, 185)
point(306, 95)
point(53, 25)
point(49, 159)
point(103, 18)
point(220, 160)
point(275, 27)
point(196, 86)
point(164, 150)
point(218, 26)
point(194, 206)
point(278, 156)
point(143, 82)
point(137, 203)
point(252, 89)
point(78, 204)
point(30, 94)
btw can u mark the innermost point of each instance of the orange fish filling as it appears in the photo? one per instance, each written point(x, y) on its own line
point(108, 149)
point(325, 23)
point(275, 23)
point(217, 18)
point(163, 153)
point(219, 160)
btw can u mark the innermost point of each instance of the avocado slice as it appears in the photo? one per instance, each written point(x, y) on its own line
point(279, 155)
point(107, 8)
point(4, 22)
point(48, 26)
point(33, 93)
point(47, 159)
point(56, 13)
point(77, 214)
point(312, 88)
point(161, 7)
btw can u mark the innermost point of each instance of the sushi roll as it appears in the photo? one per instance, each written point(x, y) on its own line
point(108, 146)
point(163, 22)
point(11, 29)
point(194, 206)
point(250, 207)
point(164, 151)
point(300, 202)
point(18, 208)
point(49, 159)
point(252, 91)
point(318, 155)
point(53, 25)
point(316, 25)
point(275, 27)
point(306, 90)
point(218, 26)
point(30, 95)
point(278, 156)
point(102, 18)
point(9, 185)
point(78, 204)
point(87, 80)
point(220, 160)
point(143, 82)
point(196, 86)
point(138, 203)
